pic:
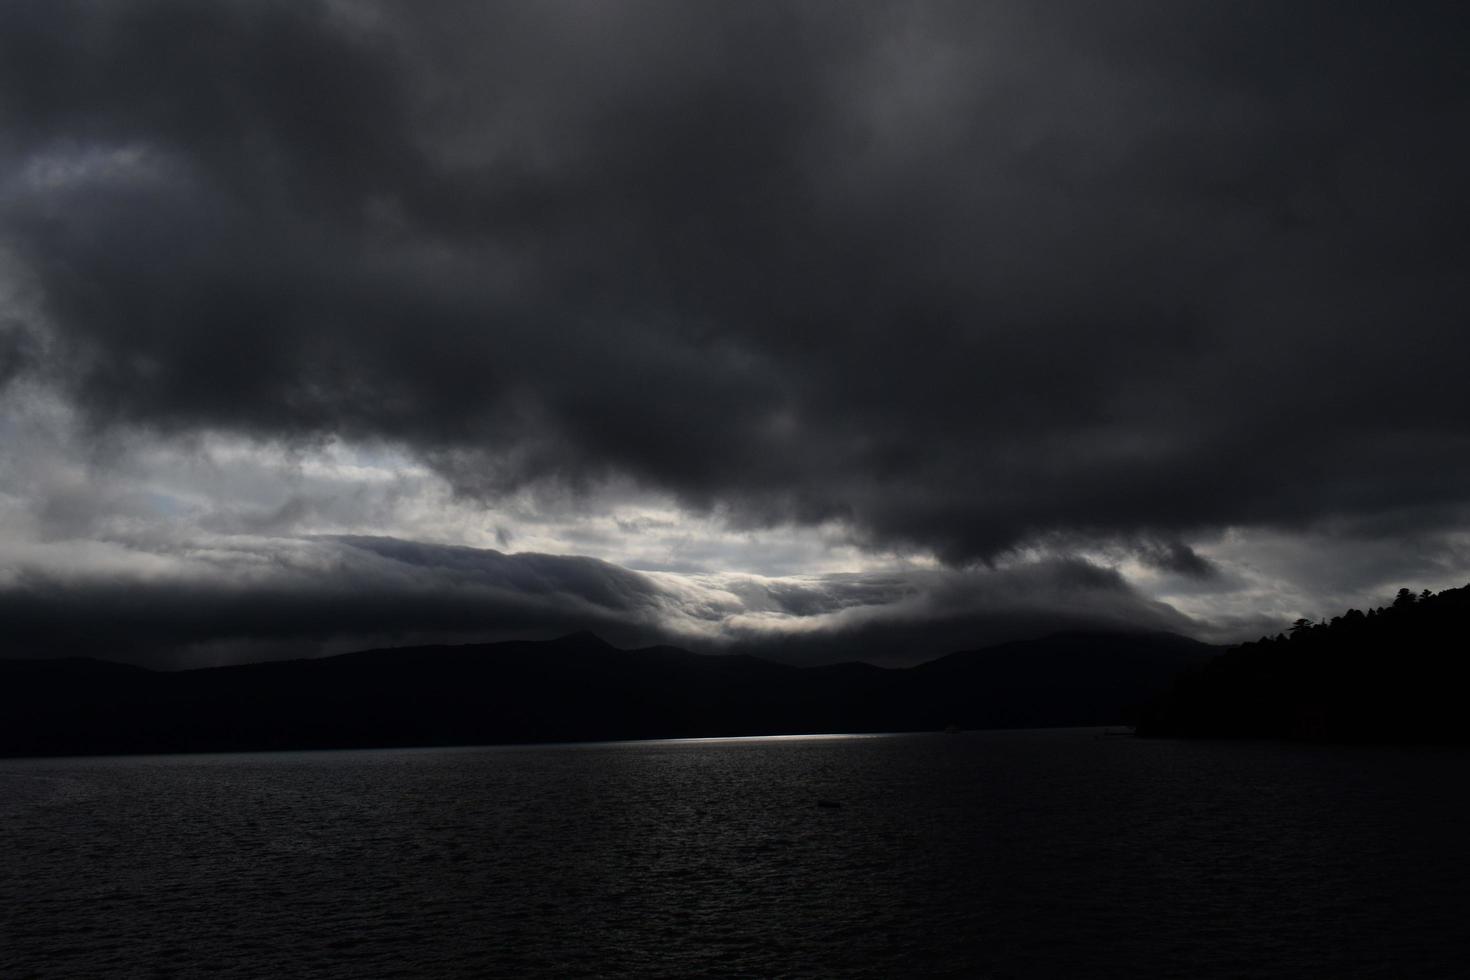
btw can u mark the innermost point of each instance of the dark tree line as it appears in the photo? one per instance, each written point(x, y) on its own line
point(1396, 673)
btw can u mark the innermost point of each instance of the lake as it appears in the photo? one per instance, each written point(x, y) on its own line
point(1005, 854)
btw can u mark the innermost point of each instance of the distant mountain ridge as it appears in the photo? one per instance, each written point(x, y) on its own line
point(576, 688)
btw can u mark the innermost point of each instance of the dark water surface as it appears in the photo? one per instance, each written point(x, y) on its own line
point(1019, 854)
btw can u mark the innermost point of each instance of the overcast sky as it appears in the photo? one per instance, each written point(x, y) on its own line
point(813, 329)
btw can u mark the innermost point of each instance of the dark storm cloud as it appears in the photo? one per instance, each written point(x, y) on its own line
point(956, 275)
point(303, 597)
point(18, 350)
point(1171, 556)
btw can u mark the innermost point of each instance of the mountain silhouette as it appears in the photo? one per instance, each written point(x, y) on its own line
point(1073, 678)
point(1392, 674)
point(577, 688)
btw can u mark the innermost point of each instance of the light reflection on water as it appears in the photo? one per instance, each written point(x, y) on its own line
point(1007, 853)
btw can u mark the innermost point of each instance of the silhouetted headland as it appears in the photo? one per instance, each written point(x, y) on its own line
point(577, 688)
point(1391, 674)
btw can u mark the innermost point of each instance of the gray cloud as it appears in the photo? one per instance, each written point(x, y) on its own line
point(902, 618)
point(18, 350)
point(954, 277)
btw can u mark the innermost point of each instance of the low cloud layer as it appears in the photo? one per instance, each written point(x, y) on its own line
point(235, 599)
point(949, 281)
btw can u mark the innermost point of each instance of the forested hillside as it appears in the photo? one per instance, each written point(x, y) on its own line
point(1392, 674)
